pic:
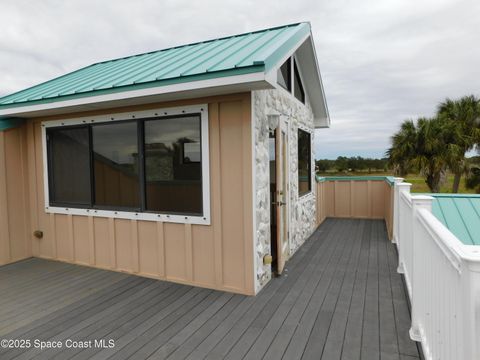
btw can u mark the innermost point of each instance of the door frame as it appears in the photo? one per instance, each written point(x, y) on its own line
point(282, 173)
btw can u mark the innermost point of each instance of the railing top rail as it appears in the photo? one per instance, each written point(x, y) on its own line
point(447, 195)
point(447, 240)
point(390, 180)
point(407, 197)
point(451, 195)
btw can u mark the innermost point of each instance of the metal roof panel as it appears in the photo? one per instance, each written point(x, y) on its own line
point(460, 213)
point(177, 64)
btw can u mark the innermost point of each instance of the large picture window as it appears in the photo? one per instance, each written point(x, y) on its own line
point(153, 165)
point(304, 163)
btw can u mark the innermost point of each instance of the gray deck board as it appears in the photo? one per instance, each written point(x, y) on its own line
point(340, 297)
point(318, 336)
point(335, 338)
point(123, 309)
point(371, 331)
point(63, 292)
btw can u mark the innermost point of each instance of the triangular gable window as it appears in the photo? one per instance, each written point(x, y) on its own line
point(298, 90)
point(285, 78)
point(285, 75)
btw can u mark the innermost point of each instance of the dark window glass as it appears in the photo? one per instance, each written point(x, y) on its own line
point(115, 153)
point(69, 166)
point(304, 163)
point(173, 165)
point(284, 76)
point(153, 165)
point(298, 86)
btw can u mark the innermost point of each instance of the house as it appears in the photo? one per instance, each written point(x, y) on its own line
point(193, 164)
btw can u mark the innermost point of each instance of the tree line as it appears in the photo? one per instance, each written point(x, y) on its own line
point(354, 163)
point(432, 146)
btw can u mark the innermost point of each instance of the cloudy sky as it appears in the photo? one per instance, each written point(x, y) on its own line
point(382, 61)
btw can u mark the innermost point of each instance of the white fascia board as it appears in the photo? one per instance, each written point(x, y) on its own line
point(320, 121)
point(290, 53)
point(271, 76)
point(317, 68)
point(221, 85)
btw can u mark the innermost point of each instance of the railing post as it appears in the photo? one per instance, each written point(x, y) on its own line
point(418, 202)
point(470, 289)
point(401, 232)
point(395, 217)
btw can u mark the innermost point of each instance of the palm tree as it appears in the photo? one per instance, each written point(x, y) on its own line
point(473, 179)
point(431, 153)
point(403, 148)
point(421, 145)
point(462, 122)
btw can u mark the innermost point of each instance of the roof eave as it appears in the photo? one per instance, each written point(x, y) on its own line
point(177, 91)
point(321, 123)
point(322, 115)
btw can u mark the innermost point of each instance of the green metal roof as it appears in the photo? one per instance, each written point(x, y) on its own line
point(460, 213)
point(235, 55)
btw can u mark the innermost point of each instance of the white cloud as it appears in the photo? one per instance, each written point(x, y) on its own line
point(382, 60)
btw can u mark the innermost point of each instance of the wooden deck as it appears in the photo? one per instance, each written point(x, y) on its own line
point(339, 298)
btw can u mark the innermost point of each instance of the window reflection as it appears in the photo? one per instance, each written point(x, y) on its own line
point(304, 163)
point(284, 75)
point(298, 86)
point(173, 167)
point(115, 152)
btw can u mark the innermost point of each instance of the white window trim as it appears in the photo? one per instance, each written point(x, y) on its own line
point(164, 217)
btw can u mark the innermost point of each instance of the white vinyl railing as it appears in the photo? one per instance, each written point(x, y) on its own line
point(443, 280)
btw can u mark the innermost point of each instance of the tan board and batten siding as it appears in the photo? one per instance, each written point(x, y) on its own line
point(217, 256)
point(15, 234)
point(361, 199)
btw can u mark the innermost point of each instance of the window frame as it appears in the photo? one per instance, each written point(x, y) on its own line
point(310, 182)
point(133, 214)
point(143, 160)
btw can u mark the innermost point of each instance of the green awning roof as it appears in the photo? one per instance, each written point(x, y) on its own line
point(460, 213)
point(234, 55)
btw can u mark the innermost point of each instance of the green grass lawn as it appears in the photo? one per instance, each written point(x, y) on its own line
point(419, 185)
point(417, 181)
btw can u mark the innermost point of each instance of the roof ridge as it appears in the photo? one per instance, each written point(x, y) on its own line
point(202, 42)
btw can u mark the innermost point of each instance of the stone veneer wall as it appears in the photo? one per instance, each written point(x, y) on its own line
point(302, 210)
